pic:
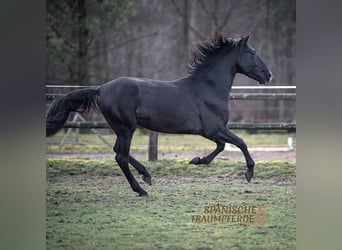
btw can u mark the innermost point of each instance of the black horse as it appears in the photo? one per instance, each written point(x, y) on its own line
point(195, 104)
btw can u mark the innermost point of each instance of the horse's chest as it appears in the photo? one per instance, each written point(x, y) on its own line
point(217, 108)
point(214, 115)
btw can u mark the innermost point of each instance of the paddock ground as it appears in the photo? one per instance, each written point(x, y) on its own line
point(289, 156)
point(91, 206)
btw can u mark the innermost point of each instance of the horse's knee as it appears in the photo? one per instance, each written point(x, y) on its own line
point(241, 144)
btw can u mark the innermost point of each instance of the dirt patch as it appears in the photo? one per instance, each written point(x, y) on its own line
point(289, 156)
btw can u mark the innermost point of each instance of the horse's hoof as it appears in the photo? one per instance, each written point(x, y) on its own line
point(145, 194)
point(248, 175)
point(147, 179)
point(195, 161)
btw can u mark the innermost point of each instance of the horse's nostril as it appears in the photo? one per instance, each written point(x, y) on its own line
point(266, 72)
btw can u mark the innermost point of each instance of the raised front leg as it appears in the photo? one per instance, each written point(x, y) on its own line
point(227, 136)
point(207, 159)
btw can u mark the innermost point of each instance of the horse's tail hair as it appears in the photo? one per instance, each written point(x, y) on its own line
point(76, 101)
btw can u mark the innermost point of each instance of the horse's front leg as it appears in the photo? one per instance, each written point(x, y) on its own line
point(207, 159)
point(229, 137)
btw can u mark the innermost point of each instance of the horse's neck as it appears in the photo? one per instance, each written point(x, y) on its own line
point(219, 77)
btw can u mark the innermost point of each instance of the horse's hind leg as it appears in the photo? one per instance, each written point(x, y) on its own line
point(121, 148)
point(207, 159)
point(229, 137)
point(141, 169)
point(118, 104)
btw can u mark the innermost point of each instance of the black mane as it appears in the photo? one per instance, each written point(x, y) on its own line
point(205, 49)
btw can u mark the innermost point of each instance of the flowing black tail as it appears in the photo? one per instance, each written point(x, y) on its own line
point(76, 101)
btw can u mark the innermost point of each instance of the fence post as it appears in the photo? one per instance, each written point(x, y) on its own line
point(153, 146)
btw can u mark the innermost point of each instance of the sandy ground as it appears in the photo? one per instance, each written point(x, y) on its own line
point(289, 156)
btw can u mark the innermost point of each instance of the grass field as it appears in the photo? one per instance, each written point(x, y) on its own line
point(91, 206)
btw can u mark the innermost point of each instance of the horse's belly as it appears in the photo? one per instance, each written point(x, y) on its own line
point(169, 121)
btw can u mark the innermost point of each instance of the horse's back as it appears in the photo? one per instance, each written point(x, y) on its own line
point(163, 106)
point(115, 89)
point(122, 98)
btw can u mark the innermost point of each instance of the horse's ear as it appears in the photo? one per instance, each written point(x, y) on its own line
point(244, 40)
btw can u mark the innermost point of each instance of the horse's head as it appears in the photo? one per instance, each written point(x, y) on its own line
point(250, 64)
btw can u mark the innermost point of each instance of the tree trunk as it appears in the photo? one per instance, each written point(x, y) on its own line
point(186, 23)
point(83, 39)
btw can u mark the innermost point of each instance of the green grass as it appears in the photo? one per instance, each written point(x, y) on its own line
point(276, 170)
point(91, 206)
